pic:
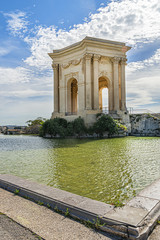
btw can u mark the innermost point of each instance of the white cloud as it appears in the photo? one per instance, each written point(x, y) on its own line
point(143, 82)
point(4, 51)
point(142, 65)
point(17, 22)
point(14, 75)
point(134, 22)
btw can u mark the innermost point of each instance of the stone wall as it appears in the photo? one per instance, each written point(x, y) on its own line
point(145, 125)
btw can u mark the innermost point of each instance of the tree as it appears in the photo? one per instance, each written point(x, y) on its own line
point(35, 125)
point(37, 121)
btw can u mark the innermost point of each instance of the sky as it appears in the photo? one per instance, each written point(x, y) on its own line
point(31, 29)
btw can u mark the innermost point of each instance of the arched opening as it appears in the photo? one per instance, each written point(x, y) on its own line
point(72, 97)
point(103, 95)
point(74, 93)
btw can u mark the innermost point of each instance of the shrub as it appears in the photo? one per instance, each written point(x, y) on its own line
point(59, 126)
point(121, 126)
point(54, 126)
point(105, 123)
point(79, 126)
point(70, 129)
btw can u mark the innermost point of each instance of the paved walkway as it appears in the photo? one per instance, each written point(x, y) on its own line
point(44, 222)
point(10, 230)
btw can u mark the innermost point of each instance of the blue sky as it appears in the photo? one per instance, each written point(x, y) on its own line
point(30, 29)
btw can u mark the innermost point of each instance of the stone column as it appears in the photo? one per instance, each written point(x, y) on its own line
point(96, 81)
point(110, 100)
point(88, 58)
point(56, 87)
point(123, 84)
point(115, 61)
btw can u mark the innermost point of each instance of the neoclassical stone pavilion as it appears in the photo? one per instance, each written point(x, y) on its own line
point(82, 71)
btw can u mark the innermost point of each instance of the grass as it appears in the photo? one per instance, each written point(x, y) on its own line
point(48, 205)
point(16, 191)
point(40, 203)
point(67, 214)
point(118, 204)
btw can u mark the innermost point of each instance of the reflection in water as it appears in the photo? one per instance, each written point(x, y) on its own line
point(105, 170)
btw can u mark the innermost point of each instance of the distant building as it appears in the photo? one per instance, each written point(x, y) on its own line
point(12, 130)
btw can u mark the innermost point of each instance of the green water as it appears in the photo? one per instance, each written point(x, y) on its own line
point(106, 170)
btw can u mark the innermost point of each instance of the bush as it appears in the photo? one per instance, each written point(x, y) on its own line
point(105, 123)
point(59, 126)
point(70, 129)
point(79, 126)
point(121, 126)
point(56, 126)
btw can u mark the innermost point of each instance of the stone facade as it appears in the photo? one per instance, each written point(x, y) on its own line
point(81, 71)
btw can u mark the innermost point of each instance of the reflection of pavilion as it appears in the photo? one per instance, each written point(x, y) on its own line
point(82, 71)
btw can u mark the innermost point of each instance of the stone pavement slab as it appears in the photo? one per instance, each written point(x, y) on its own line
point(127, 214)
point(143, 203)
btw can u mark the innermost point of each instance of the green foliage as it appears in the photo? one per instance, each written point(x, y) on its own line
point(34, 126)
point(57, 210)
point(105, 123)
point(56, 126)
point(70, 129)
point(67, 214)
point(79, 126)
point(118, 204)
point(121, 126)
point(90, 130)
point(95, 224)
point(16, 191)
point(48, 205)
point(26, 197)
point(40, 203)
point(99, 115)
point(60, 127)
point(37, 121)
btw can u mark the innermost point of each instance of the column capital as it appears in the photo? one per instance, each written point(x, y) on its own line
point(123, 60)
point(96, 57)
point(88, 56)
point(55, 66)
point(115, 59)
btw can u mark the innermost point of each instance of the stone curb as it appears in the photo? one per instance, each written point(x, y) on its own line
point(133, 221)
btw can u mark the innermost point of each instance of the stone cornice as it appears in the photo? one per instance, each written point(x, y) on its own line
point(93, 42)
